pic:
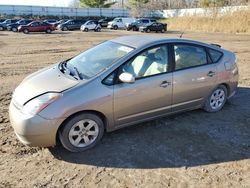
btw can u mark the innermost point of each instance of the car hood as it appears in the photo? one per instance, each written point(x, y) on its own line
point(46, 80)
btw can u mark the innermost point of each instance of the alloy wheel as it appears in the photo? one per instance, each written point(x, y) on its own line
point(217, 99)
point(83, 133)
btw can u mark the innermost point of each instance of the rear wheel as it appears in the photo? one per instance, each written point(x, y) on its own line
point(216, 99)
point(81, 132)
point(48, 30)
point(163, 30)
point(14, 29)
point(26, 31)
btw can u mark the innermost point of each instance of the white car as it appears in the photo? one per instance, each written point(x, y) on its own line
point(91, 25)
point(120, 23)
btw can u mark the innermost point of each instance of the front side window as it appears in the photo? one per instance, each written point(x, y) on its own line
point(189, 56)
point(150, 62)
point(97, 59)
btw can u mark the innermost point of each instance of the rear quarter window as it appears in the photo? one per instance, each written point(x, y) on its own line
point(215, 55)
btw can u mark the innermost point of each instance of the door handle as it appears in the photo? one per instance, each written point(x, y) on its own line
point(211, 73)
point(165, 84)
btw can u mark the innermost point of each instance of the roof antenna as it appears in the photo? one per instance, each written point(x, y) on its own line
point(181, 34)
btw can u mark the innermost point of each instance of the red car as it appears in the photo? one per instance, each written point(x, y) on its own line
point(36, 26)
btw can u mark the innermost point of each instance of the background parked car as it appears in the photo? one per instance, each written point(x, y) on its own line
point(138, 23)
point(55, 24)
point(1, 20)
point(104, 22)
point(91, 25)
point(3, 25)
point(71, 25)
point(14, 26)
point(154, 27)
point(36, 26)
point(51, 21)
point(120, 23)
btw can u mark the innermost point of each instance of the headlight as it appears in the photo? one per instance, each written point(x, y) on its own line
point(37, 104)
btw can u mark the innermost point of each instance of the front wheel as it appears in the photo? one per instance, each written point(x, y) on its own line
point(86, 29)
point(81, 132)
point(216, 99)
point(148, 30)
point(64, 29)
point(1, 28)
point(98, 29)
point(115, 27)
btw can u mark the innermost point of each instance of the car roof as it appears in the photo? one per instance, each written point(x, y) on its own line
point(138, 41)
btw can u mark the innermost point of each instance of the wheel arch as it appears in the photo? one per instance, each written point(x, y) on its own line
point(99, 114)
point(227, 87)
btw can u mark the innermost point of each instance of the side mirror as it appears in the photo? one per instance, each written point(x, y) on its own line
point(127, 78)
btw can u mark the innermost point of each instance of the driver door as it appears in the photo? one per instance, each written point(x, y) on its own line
point(151, 93)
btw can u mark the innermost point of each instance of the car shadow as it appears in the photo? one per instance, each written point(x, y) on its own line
point(183, 140)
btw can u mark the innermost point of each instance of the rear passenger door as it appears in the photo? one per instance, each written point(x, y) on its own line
point(194, 75)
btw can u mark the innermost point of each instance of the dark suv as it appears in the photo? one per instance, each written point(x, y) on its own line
point(138, 23)
point(71, 25)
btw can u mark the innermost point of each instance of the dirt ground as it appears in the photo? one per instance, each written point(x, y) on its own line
point(193, 149)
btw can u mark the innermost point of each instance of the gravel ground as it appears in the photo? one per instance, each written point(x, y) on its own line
point(192, 149)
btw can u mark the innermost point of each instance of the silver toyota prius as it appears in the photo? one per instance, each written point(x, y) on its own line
point(117, 83)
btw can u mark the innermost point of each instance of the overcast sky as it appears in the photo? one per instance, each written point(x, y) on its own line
point(62, 3)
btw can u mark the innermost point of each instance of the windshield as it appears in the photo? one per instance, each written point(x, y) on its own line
point(93, 61)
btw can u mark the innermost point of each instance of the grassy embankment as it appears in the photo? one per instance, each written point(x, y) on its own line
point(236, 22)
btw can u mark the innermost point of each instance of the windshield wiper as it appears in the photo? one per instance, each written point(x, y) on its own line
point(77, 73)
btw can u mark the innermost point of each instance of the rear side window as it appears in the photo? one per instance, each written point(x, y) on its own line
point(189, 56)
point(215, 55)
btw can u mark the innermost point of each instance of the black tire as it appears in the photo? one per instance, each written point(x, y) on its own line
point(14, 29)
point(26, 31)
point(64, 131)
point(48, 31)
point(148, 30)
point(115, 27)
point(86, 29)
point(134, 28)
point(208, 107)
point(65, 28)
point(163, 30)
point(1, 28)
point(98, 29)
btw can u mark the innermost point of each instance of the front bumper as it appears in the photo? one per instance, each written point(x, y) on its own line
point(33, 130)
point(110, 26)
point(142, 29)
